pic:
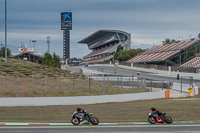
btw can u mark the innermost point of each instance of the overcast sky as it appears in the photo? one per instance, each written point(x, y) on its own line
point(148, 21)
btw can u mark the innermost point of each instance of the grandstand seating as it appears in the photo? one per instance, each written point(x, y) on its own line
point(101, 51)
point(153, 56)
point(103, 42)
point(161, 53)
point(193, 63)
point(173, 46)
point(97, 60)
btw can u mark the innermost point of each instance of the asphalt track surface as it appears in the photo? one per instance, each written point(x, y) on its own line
point(186, 127)
point(142, 75)
point(123, 128)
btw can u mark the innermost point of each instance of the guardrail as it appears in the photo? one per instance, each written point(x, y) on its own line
point(77, 100)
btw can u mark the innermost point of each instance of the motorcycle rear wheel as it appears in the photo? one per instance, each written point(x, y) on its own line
point(151, 120)
point(75, 121)
point(94, 120)
point(168, 119)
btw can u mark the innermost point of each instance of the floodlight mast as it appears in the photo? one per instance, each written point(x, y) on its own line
point(5, 31)
point(34, 41)
point(48, 43)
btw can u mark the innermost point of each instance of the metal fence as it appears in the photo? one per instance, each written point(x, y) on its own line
point(75, 85)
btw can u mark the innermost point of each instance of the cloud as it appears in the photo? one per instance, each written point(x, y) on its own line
point(148, 21)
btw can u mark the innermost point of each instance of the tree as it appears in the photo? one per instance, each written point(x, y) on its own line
point(169, 41)
point(50, 60)
point(47, 59)
point(125, 55)
point(56, 60)
point(2, 52)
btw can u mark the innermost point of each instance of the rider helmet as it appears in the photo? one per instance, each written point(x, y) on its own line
point(79, 109)
point(153, 108)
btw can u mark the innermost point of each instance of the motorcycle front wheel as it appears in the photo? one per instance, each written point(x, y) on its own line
point(94, 120)
point(151, 120)
point(75, 121)
point(168, 119)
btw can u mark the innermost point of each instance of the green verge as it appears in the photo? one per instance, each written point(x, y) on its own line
point(182, 109)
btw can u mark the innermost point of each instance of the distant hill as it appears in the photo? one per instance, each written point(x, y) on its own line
point(27, 69)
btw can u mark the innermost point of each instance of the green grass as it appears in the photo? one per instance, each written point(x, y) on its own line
point(132, 111)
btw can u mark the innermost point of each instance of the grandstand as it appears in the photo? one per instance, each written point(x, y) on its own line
point(193, 63)
point(104, 43)
point(170, 54)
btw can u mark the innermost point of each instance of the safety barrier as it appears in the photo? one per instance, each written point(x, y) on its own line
point(77, 100)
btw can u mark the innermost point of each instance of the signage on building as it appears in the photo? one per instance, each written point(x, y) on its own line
point(66, 20)
point(24, 50)
point(75, 61)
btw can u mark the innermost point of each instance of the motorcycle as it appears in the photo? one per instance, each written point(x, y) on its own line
point(79, 118)
point(155, 118)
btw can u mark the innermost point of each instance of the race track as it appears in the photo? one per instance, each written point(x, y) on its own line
point(142, 75)
point(106, 128)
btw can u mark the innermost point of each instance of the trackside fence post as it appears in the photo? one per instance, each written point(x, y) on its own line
point(121, 86)
point(73, 80)
point(85, 90)
point(66, 89)
point(181, 85)
point(41, 90)
point(137, 85)
point(132, 81)
point(17, 85)
point(89, 82)
point(58, 83)
point(104, 85)
point(32, 83)
point(70, 82)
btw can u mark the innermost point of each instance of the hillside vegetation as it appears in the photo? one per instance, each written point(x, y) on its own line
point(26, 69)
point(28, 79)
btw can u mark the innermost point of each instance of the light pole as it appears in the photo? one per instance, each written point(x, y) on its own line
point(5, 31)
point(34, 41)
point(1, 49)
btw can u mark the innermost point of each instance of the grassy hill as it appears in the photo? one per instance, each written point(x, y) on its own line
point(40, 80)
point(26, 69)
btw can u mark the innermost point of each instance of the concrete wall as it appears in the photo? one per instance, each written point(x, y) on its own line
point(185, 87)
point(44, 101)
point(177, 86)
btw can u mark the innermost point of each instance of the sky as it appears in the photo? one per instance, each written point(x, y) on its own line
point(149, 22)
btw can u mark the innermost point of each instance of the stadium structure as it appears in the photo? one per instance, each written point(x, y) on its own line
point(28, 54)
point(104, 43)
point(174, 54)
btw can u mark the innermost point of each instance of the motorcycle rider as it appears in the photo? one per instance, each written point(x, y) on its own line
point(157, 111)
point(82, 111)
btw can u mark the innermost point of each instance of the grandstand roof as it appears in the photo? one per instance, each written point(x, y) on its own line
point(99, 34)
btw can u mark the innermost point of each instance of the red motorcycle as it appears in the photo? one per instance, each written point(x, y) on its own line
point(155, 118)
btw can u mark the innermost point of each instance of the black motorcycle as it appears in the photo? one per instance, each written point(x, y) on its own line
point(155, 118)
point(79, 118)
